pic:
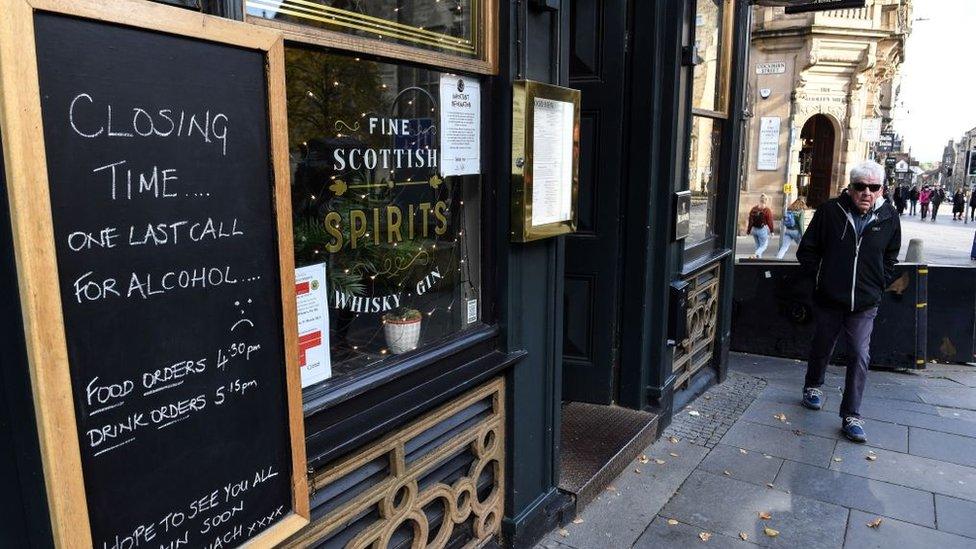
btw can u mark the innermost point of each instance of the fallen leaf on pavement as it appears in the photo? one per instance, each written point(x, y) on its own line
point(798, 432)
point(744, 536)
point(780, 416)
point(838, 460)
point(659, 461)
point(673, 440)
point(727, 473)
point(564, 532)
point(578, 520)
point(769, 485)
point(770, 532)
point(672, 522)
point(765, 515)
point(743, 451)
point(705, 536)
point(876, 523)
point(871, 458)
point(643, 459)
point(638, 471)
point(694, 413)
point(708, 397)
point(611, 488)
point(672, 454)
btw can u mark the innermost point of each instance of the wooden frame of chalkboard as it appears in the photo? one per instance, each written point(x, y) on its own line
point(33, 222)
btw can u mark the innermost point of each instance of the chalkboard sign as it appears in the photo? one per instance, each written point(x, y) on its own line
point(165, 182)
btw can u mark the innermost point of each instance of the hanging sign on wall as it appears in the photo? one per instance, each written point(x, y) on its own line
point(152, 229)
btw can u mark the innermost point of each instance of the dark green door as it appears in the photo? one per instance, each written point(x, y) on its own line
point(597, 53)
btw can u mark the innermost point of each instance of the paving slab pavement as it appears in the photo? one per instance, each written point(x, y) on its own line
point(737, 458)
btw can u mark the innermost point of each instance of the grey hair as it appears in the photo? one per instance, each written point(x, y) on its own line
point(868, 169)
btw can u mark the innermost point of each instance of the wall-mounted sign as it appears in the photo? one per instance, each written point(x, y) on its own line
point(682, 214)
point(768, 158)
point(779, 67)
point(871, 129)
point(460, 130)
point(901, 166)
point(152, 230)
point(545, 160)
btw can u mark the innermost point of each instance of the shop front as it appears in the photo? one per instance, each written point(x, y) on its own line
point(420, 261)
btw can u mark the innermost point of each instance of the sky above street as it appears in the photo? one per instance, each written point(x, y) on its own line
point(938, 91)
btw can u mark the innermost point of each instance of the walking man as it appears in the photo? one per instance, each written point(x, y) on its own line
point(852, 245)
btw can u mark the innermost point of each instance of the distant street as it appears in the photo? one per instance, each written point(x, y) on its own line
point(945, 242)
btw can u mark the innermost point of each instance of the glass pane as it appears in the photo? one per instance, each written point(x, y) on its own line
point(703, 177)
point(445, 25)
point(400, 243)
point(709, 21)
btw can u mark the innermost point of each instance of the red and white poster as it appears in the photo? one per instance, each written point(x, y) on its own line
point(313, 324)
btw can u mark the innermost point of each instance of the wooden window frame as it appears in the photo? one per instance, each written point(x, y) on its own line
point(485, 36)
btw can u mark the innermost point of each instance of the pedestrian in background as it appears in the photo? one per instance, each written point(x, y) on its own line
point(923, 197)
point(900, 199)
point(860, 233)
point(791, 229)
point(958, 205)
point(761, 224)
point(972, 205)
point(938, 195)
point(913, 197)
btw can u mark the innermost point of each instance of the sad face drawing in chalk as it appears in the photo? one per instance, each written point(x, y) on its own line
point(243, 321)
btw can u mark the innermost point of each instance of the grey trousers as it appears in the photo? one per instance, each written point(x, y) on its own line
point(857, 328)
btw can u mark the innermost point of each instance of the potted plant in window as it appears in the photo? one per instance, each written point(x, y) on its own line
point(401, 327)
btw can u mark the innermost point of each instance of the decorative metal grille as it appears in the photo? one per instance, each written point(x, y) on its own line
point(438, 480)
point(696, 351)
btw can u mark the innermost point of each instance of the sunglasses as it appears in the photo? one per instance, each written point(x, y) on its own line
point(861, 187)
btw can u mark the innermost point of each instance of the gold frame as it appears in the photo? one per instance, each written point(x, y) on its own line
point(485, 40)
point(524, 93)
point(34, 253)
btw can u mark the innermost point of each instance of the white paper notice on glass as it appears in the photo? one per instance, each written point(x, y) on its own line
point(460, 125)
point(313, 324)
point(768, 158)
point(552, 161)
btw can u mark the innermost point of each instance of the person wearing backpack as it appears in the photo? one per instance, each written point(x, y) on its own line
point(761, 224)
point(913, 198)
point(792, 227)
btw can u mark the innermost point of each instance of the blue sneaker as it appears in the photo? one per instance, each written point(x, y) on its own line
point(813, 398)
point(853, 428)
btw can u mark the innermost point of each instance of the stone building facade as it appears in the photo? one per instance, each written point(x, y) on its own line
point(816, 81)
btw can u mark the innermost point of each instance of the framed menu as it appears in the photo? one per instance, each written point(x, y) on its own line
point(147, 176)
point(545, 160)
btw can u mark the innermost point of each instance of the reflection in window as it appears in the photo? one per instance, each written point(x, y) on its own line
point(444, 25)
point(703, 177)
point(399, 242)
point(709, 31)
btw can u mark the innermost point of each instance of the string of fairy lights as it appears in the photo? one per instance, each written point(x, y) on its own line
point(362, 346)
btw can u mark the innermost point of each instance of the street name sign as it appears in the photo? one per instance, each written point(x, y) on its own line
point(778, 67)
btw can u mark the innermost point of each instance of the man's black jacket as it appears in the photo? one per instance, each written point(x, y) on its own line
point(852, 272)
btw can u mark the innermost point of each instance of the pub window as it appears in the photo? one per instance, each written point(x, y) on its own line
point(455, 34)
point(713, 26)
point(395, 242)
point(710, 91)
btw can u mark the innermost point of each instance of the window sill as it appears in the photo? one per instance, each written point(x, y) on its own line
point(317, 399)
point(699, 262)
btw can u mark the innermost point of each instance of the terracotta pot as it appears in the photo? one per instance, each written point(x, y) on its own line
point(402, 335)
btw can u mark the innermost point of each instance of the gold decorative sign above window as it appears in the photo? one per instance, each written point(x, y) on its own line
point(443, 25)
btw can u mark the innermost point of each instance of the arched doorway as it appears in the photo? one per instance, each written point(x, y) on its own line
point(816, 159)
